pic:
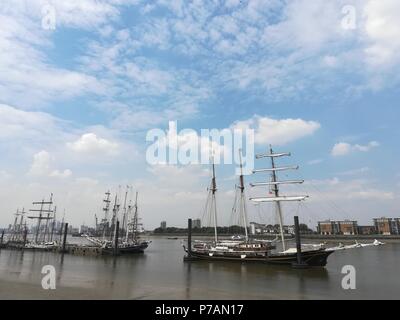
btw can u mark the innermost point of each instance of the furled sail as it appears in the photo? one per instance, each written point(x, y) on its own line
point(276, 169)
point(274, 183)
point(281, 198)
point(272, 155)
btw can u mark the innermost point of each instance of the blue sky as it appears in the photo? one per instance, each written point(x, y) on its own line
point(317, 78)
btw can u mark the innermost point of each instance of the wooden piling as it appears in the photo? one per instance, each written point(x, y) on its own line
point(189, 236)
point(65, 237)
point(300, 264)
point(116, 239)
point(25, 236)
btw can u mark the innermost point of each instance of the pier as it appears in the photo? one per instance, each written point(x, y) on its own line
point(75, 249)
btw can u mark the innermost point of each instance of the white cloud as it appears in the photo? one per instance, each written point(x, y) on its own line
point(4, 175)
point(41, 164)
point(355, 171)
point(90, 144)
point(17, 124)
point(61, 174)
point(306, 25)
point(372, 194)
point(85, 14)
point(341, 149)
point(358, 199)
point(131, 118)
point(366, 148)
point(344, 148)
point(201, 147)
point(383, 32)
point(41, 167)
point(315, 161)
point(26, 77)
point(278, 132)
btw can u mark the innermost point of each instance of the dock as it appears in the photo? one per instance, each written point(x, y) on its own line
point(81, 250)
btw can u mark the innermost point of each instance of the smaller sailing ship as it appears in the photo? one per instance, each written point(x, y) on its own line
point(245, 249)
point(18, 231)
point(45, 227)
point(116, 238)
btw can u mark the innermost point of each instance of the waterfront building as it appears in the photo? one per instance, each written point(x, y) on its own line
point(84, 229)
point(387, 226)
point(163, 225)
point(366, 230)
point(259, 228)
point(396, 226)
point(346, 227)
point(252, 229)
point(197, 223)
point(256, 228)
point(328, 227)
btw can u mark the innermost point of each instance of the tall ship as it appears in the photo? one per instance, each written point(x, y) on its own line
point(115, 236)
point(244, 249)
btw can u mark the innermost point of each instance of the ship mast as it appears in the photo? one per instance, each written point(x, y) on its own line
point(213, 201)
point(62, 226)
point(275, 187)
point(48, 218)
point(243, 209)
point(115, 218)
point(40, 217)
point(14, 229)
point(20, 230)
point(106, 209)
point(53, 223)
point(135, 219)
point(124, 217)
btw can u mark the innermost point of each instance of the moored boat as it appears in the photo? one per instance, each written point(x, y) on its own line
point(244, 249)
point(124, 239)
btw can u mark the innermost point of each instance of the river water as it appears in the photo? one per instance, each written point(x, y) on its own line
point(160, 273)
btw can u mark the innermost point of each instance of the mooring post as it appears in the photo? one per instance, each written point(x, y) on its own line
point(25, 236)
point(116, 239)
point(65, 237)
point(298, 241)
point(300, 263)
point(189, 237)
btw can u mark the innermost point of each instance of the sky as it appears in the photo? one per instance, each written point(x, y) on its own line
point(82, 83)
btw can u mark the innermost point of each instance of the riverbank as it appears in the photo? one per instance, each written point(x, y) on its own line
point(10, 290)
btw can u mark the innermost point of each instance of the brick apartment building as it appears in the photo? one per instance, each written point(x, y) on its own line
point(384, 226)
point(387, 226)
point(345, 227)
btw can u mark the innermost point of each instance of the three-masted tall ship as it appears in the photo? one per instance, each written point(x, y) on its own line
point(246, 249)
point(114, 237)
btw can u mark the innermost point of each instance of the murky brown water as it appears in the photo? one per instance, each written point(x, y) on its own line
point(160, 273)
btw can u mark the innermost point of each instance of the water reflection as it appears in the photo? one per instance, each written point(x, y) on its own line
point(160, 273)
point(188, 283)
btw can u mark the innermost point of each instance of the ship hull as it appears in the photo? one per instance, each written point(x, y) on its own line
point(315, 258)
point(132, 249)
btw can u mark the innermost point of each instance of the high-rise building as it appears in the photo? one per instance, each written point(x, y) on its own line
point(163, 225)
